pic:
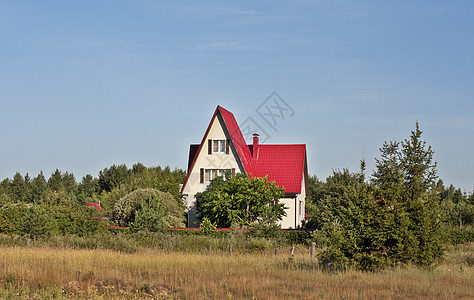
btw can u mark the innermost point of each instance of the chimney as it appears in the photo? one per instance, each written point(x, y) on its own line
point(255, 145)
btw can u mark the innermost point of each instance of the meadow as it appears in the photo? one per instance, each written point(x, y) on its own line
point(62, 272)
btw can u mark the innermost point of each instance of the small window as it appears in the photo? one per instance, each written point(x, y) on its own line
point(218, 146)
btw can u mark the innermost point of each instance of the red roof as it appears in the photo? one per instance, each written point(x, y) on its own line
point(284, 164)
point(236, 137)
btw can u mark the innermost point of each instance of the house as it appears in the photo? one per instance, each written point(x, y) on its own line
point(223, 148)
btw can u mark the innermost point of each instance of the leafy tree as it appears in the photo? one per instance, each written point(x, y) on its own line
point(53, 198)
point(5, 186)
point(159, 210)
point(243, 200)
point(207, 227)
point(149, 208)
point(324, 196)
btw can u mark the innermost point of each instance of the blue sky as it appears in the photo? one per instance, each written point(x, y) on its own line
point(88, 84)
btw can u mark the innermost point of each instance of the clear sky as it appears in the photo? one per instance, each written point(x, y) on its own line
point(88, 84)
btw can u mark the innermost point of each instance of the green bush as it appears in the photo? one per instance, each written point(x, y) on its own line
point(79, 220)
point(207, 227)
point(10, 216)
point(38, 221)
point(460, 235)
point(149, 208)
point(296, 237)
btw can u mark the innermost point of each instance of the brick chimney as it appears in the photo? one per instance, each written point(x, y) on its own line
point(255, 146)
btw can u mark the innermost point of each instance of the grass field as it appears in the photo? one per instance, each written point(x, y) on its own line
point(49, 273)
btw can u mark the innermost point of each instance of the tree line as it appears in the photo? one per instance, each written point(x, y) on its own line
point(402, 213)
point(43, 207)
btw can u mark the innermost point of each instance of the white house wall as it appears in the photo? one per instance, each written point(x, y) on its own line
point(294, 215)
point(206, 161)
point(301, 197)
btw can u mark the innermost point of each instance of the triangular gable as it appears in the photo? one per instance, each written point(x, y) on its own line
point(234, 135)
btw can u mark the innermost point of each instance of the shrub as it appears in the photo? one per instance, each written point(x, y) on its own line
point(38, 221)
point(207, 227)
point(460, 235)
point(10, 216)
point(149, 208)
point(78, 220)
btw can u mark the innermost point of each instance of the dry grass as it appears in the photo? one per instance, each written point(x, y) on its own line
point(65, 273)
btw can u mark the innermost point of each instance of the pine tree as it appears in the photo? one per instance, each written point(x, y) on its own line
point(18, 188)
point(38, 187)
point(405, 179)
point(417, 164)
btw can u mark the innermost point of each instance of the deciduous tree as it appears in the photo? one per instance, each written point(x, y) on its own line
point(243, 200)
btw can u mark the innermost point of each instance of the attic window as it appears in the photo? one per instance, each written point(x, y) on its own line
point(218, 147)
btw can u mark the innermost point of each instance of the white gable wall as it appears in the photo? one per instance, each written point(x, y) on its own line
point(206, 161)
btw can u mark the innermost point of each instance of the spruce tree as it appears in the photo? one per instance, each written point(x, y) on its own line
point(405, 180)
point(38, 187)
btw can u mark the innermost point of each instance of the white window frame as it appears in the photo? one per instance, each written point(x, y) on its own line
point(210, 174)
point(218, 146)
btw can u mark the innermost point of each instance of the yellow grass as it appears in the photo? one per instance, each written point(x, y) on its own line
point(102, 274)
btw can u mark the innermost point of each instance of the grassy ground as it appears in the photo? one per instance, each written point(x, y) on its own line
point(48, 273)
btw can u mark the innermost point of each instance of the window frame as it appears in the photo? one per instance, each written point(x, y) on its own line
point(218, 146)
point(210, 174)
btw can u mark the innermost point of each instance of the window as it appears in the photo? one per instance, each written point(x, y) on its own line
point(213, 173)
point(206, 175)
point(218, 146)
point(301, 207)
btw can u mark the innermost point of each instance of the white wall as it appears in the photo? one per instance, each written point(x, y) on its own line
point(206, 161)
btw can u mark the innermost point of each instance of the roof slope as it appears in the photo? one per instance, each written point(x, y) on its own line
point(236, 137)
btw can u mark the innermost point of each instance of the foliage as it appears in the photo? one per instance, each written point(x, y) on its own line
point(391, 220)
point(149, 208)
point(243, 200)
point(78, 220)
point(11, 216)
point(207, 227)
point(57, 204)
point(37, 221)
point(459, 235)
point(457, 208)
